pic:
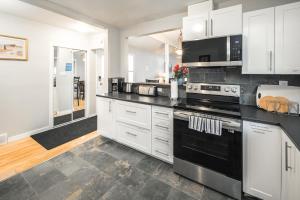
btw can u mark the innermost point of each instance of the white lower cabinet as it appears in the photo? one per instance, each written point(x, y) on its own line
point(262, 160)
point(105, 117)
point(162, 133)
point(290, 170)
point(146, 128)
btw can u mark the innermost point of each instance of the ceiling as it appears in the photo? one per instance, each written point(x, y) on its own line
point(155, 42)
point(38, 14)
point(124, 13)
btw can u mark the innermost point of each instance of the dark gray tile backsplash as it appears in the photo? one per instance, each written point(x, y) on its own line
point(233, 75)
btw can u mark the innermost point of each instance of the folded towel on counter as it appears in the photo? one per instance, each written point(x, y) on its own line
point(204, 124)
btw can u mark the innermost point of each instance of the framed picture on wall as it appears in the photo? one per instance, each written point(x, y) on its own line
point(13, 48)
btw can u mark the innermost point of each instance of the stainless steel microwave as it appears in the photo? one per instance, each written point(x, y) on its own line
point(213, 52)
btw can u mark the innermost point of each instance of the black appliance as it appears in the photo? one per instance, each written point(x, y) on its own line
point(115, 84)
point(221, 51)
point(213, 160)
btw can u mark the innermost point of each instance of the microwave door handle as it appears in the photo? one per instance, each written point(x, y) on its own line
point(271, 60)
point(211, 27)
point(206, 28)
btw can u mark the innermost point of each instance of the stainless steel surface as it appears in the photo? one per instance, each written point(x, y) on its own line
point(287, 147)
point(228, 49)
point(226, 90)
point(149, 90)
point(228, 123)
point(214, 64)
point(127, 87)
point(219, 182)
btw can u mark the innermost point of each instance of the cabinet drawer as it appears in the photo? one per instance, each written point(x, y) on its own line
point(162, 153)
point(162, 113)
point(161, 126)
point(139, 139)
point(135, 114)
point(261, 128)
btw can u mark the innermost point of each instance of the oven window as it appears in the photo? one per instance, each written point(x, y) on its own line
point(209, 50)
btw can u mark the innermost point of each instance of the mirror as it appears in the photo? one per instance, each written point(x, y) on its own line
point(68, 85)
point(151, 57)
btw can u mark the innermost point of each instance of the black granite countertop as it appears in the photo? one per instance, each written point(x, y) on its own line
point(290, 124)
point(156, 101)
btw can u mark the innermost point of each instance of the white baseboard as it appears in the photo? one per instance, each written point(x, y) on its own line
point(27, 134)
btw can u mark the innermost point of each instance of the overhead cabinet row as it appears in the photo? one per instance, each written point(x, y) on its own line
point(271, 40)
point(201, 23)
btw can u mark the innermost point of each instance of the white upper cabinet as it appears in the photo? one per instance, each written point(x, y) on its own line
point(287, 39)
point(202, 24)
point(200, 8)
point(227, 21)
point(262, 160)
point(195, 27)
point(290, 170)
point(258, 42)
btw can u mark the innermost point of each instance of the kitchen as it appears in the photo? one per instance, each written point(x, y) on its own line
point(175, 100)
point(253, 147)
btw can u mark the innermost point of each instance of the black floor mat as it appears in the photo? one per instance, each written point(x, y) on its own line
point(58, 136)
point(78, 114)
point(62, 119)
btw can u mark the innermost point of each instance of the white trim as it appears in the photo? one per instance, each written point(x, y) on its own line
point(28, 134)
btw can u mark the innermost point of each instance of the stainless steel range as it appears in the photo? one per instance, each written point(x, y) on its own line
point(208, 137)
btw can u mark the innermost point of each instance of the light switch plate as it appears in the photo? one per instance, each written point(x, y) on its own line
point(284, 83)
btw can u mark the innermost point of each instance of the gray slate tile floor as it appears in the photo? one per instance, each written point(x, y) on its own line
point(101, 169)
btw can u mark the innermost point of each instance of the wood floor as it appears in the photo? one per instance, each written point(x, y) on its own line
point(24, 154)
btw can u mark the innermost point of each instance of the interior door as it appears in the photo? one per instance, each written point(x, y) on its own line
point(258, 42)
point(287, 39)
point(62, 86)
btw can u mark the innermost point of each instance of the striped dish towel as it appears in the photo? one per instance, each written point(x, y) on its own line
point(207, 125)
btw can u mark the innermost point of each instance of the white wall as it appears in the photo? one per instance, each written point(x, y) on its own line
point(147, 64)
point(25, 85)
point(164, 24)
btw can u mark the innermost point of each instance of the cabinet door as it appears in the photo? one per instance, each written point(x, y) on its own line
point(258, 42)
point(105, 117)
point(290, 170)
point(262, 160)
point(287, 39)
point(195, 27)
point(227, 21)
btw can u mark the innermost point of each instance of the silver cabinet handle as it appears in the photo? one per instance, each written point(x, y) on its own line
point(287, 147)
point(132, 134)
point(211, 27)
point(162, 140)
point(160, 113)
point(160, 126)
point(109, 107)
point(129, 111)
point(271, 61)
point(165, 154)
point(260, 132)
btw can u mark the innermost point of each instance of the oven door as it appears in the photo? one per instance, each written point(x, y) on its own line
point(222, 154)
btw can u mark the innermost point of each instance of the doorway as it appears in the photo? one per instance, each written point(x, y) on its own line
point(69, 85)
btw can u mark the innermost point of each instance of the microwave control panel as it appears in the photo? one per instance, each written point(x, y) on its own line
point(236, 48)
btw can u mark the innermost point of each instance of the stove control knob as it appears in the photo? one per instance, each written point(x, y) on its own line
point(227, 89)
point(190, 87)
point(195, 88)
point(234, 90)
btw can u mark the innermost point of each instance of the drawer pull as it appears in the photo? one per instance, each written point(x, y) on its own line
point(132, 134)
point(160, 113)
point(287, 147)
point(159, 152)
point(260, 132)
point(160, 126)
point(129, 111)
point(162, 140)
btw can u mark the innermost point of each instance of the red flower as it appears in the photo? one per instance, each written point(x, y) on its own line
point(176, 68)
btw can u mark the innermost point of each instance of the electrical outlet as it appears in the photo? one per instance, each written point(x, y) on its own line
point(284, 83)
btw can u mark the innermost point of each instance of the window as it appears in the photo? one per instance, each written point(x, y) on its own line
point(130, 68)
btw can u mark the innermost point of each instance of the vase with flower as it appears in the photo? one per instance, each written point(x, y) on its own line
point(180, 73)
